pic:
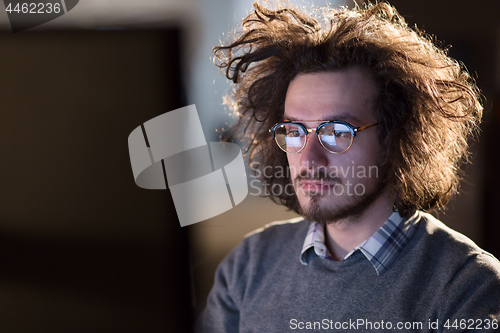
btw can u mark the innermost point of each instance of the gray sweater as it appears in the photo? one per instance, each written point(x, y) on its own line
point(441, 282)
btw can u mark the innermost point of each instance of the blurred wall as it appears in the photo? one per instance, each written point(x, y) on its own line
point(83, 249)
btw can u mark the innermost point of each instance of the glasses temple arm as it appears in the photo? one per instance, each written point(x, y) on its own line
point(365, 127)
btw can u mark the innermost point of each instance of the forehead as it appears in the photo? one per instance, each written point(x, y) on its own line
point(341, 95)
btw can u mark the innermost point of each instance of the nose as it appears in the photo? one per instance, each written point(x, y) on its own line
point(313, 155)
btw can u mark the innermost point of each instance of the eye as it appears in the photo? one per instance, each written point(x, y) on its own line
point(339, 134)
point(293, 133)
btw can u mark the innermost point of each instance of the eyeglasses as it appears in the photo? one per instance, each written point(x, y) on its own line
point(334, 136)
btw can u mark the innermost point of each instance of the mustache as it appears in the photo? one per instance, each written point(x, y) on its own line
point(319, 174)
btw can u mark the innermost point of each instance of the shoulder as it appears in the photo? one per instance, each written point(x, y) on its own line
point(244, 269)
point(260, 251)
point(281, 229)
point(467, 277)
point(267, 243)
point(445, 242)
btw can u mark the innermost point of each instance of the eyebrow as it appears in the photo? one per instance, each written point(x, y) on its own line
point(341, 117)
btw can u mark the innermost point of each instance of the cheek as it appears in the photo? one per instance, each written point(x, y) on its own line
point(358, 158)
point(372, 156)
point(366, 164)
point(292, 163)
point(367, 151)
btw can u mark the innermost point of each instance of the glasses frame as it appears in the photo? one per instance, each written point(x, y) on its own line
point(307, 130)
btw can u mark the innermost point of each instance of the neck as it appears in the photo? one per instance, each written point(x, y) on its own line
point(341, 237)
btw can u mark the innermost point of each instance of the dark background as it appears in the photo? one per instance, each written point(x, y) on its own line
point(472, 31)
point(82, 248)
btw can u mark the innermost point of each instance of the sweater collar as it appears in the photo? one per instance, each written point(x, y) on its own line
point(381, 249)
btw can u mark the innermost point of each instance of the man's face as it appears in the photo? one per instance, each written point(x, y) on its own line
point(332, 187)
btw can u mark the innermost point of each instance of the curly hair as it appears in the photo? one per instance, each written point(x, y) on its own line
point(427, 103)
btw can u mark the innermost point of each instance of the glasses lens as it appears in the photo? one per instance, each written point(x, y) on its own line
point(336, 138)
point(290, 137)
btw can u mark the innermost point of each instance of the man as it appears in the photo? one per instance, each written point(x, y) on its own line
point(371, 121)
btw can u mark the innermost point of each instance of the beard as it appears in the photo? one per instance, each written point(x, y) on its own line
point(325, 214)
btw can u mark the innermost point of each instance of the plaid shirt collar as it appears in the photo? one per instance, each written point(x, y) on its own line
point(381, 249)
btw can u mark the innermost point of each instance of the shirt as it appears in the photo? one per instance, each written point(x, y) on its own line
point(381, 249)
